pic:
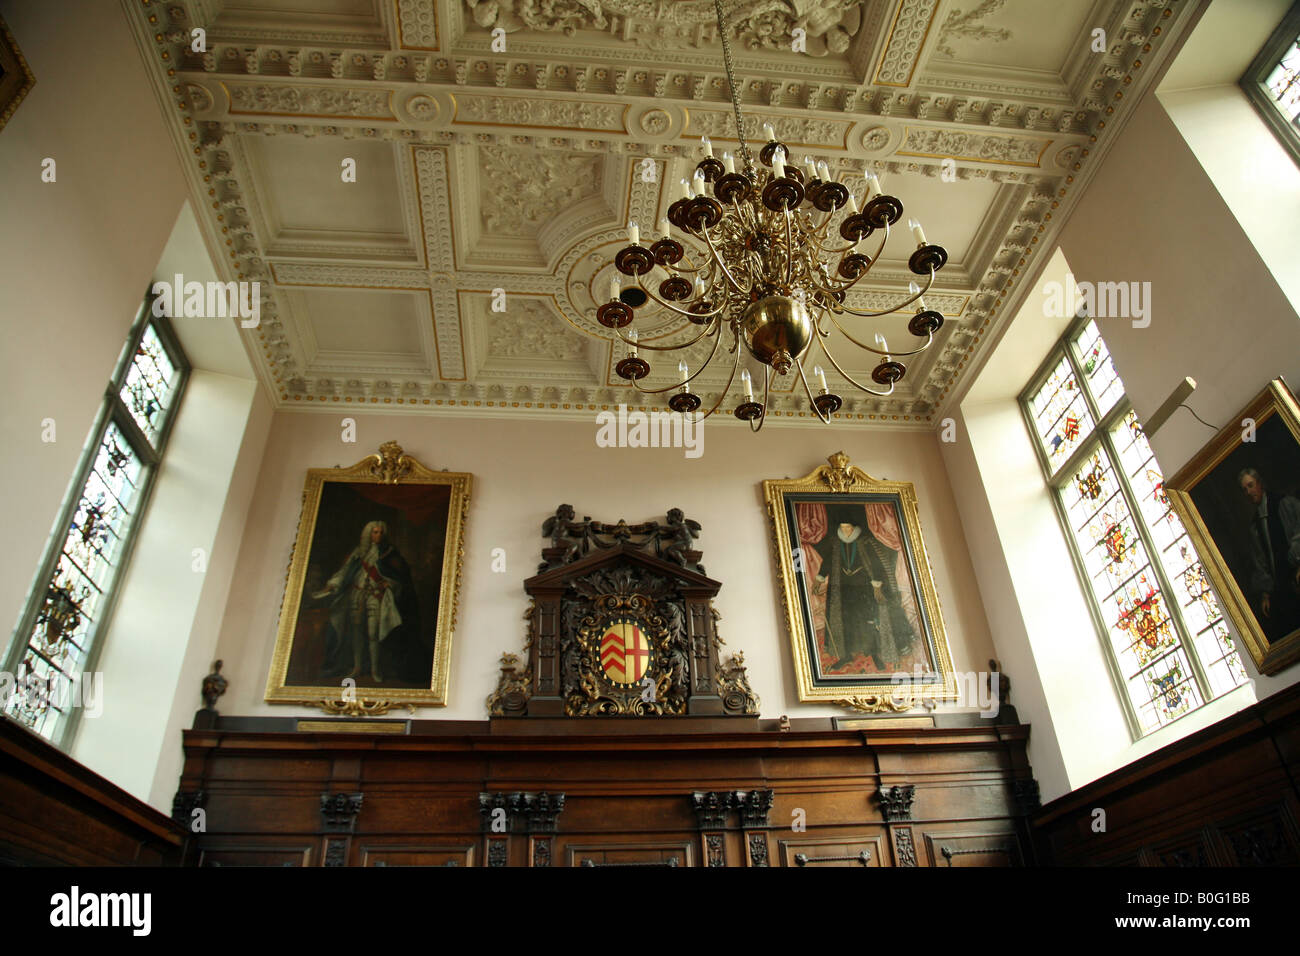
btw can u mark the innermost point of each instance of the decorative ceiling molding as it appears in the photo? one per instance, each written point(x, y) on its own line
point(569, 105)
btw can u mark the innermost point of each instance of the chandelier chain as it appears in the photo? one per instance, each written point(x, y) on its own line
point(731, 84)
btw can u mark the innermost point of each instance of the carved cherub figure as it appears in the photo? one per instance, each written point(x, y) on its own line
point(556, 527)
point(680, 533)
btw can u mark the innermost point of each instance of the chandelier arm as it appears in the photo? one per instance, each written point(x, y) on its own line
point(849, 378)
point(725, 389)
point(731, 83)
point(717, 257)
point(673, 308)
point(665, 348)
point(862, 345)
point(689, 378)
point(826, 419)
point(901, 305)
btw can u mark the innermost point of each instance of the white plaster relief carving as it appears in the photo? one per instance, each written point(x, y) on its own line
point(965, 25)
point(317, 101)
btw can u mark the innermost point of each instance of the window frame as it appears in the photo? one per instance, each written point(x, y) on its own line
point(1254, 81)
point(1058, 479)
point(113, 411)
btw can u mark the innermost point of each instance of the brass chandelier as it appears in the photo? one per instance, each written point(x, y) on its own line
point(764, 265)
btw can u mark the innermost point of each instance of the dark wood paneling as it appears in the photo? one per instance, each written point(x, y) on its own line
point(55, 812)
point(627, 794)
point(1224, 796)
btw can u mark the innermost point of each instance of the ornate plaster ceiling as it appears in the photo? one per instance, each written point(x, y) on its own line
point(481, 170)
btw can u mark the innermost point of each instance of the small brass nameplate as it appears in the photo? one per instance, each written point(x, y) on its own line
point(353, 726)
point(881, 723)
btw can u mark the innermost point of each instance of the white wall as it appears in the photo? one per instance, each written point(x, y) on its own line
point(76, 255)
point(523, 470)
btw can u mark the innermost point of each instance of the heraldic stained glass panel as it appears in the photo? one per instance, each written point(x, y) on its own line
point(57, 644)
point(71, 604)
point(150, 384)
point(1165, 631)
point(1098, 369)
point(1061, 417)
point(1182, 567)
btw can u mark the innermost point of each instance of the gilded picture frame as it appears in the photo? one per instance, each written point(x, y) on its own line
point(1237, 496)
point(887, 651)
point(369, 613)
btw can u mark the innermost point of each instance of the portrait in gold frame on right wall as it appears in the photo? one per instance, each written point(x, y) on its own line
point(1239, 498)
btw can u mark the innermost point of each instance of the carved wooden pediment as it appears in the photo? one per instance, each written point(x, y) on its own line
point(622, 624)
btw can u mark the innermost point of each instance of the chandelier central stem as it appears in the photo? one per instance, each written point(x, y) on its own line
point(731, 85)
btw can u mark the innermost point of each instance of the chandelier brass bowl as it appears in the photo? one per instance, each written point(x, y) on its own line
point(767, 253)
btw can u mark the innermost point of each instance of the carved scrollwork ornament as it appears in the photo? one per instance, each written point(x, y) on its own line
point(390, 465)
point(875, 704)
point(510, 699)
point(733, 687)
point(345, 707)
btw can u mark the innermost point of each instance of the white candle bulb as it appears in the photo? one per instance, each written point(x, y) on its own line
point(615, 287)
point(917, 231)
point(708, 146)
point(824, 170)
point(812, 166)
point(821, 377)
point(699, 287)
point(769, 132)
point(633, 233)
point(698, 182)
point(632, 338)
point(779, 160)
point(873, 186)
point(882, 345)
point(748, 383)
point(686, 189)
point(681, 367)
point(729, 161)
point(664, 227)
point(853, 203)
point(913, 288)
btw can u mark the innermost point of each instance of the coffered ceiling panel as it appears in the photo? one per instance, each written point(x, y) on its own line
point(1018, 34)
point(501, 147)
point(311, 208)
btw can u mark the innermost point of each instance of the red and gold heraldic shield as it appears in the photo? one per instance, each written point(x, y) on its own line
point(624, 652)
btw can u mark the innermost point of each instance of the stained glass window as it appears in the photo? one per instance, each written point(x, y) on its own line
point(73, 592)
point(1272, 82)
point(1164, 630)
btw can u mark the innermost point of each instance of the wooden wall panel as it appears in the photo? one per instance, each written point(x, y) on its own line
point(1224, 796)
point(705, 795)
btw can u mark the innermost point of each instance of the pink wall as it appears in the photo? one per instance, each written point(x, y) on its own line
point(523, 470)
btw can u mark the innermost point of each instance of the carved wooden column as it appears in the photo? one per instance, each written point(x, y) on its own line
point(711, 808)
point(701, 634)
point(546, 700)
point(339, 812)
point(896, 808)
point(754, 809)
point(542, 811)
point(495, 809)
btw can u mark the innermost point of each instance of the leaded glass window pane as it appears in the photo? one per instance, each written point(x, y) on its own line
point(1098, 370)
point(85, 558)
point(1284, 82)
point(150, 381)
point(1060, 414)
point(1164, 628)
